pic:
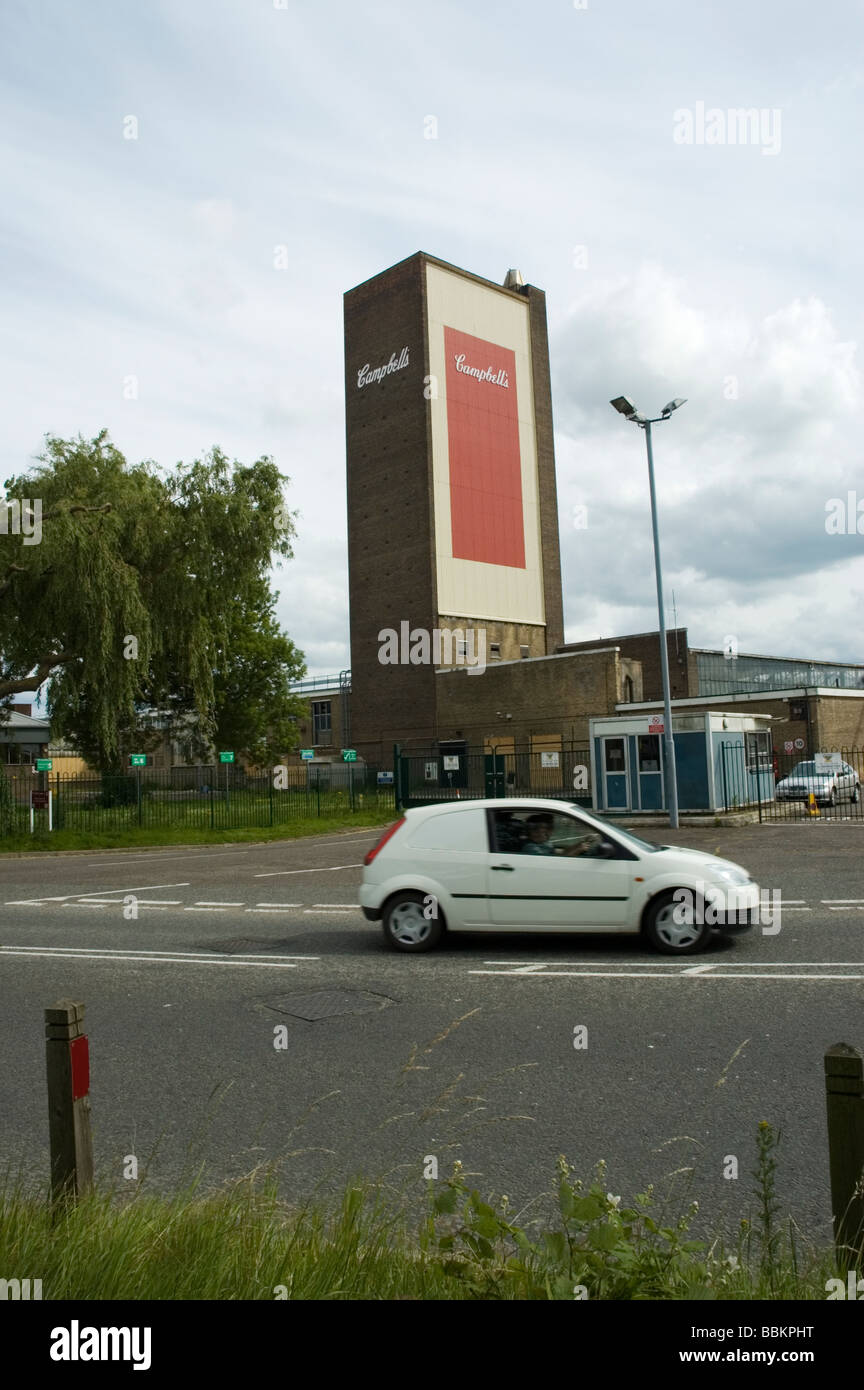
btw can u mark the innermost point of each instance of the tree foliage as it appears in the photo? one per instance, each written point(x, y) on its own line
point(130, 597)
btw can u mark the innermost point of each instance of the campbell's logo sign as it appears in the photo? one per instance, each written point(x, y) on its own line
point(368, 374)
point(499, 378)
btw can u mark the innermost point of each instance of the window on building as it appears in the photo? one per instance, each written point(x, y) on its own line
point(649, 753)
point(758, 747)
point(628, 690)
point(321, 729)
point(524, 652)
point(21, 754)
point(495, 650)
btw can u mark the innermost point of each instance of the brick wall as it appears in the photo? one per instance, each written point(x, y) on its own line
point(645, 647)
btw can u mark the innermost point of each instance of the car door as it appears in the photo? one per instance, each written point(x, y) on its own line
point(449, 851)
point(553, 891)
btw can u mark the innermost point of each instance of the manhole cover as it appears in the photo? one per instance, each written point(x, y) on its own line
point(327, 1003)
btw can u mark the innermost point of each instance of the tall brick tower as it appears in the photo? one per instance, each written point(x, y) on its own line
point(452, 506)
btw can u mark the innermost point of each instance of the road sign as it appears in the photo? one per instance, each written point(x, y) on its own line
point(226, 757)
point(788, 746)
point(138, 759)
point(39, 800)
point(799, 743)
point(307, 754)
point(349, 755)
point(44, 764)
point(656, 725)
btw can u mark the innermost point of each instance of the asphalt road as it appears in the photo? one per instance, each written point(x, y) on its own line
point(464, 1053)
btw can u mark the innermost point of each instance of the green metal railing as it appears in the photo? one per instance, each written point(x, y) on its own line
point(197, 798)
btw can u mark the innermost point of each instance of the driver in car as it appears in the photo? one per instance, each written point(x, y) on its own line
point(539, 830)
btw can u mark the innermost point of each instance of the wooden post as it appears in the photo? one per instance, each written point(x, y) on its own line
point(68, 1067)
point(844, 1094)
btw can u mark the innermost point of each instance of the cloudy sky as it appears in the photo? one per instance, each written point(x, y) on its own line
point(576, 143)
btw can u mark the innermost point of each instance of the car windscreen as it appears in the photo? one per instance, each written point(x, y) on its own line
point(625, 835)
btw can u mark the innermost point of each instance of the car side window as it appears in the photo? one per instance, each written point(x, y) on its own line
point(549, 833)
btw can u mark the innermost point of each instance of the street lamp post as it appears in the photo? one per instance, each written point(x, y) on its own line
point(628, 409)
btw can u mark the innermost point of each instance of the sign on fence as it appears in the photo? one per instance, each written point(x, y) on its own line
point(41, 801)
point(138, 759)
point(826, 761)
point(385, 779)
point(451, 762)
point(44, 764)
point(349, 755)
point(226, 757)
point(307, 754)
point(549, 760)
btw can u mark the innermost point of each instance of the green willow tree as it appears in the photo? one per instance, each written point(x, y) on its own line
point(127, 600)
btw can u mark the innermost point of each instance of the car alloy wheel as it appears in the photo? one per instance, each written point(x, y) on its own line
point(676, 937)
point(406, 925)
point(856, 795)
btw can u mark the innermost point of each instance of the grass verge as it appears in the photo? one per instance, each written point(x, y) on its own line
point(244, 1243)
point(144, 838)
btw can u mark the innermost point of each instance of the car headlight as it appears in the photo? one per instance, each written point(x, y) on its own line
point(738, 877)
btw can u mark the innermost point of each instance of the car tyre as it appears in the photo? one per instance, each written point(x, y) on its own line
point(856, 794)
point(670, 937)
point(406, 926)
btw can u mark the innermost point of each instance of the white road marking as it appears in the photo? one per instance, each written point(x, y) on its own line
point(121, 952)
point(205, 909)
point(254, 962)
point(841, 900)
point(64, 897)
point(658, 975)
point(342, 906)
point(108, 903)
point(698, 969)
point(142, 902)
point(316, 912)
point(275, 907)
point(205, 902)
point(850, 908)
point(325, 869)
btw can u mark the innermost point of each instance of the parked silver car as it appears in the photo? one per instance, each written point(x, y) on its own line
point(828, 784)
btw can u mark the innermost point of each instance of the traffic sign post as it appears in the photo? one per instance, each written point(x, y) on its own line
point(44, 764)
point(41, 801)
point(137, 759)
point(226, 757)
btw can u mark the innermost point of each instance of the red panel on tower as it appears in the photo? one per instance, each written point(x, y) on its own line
point(485, 466)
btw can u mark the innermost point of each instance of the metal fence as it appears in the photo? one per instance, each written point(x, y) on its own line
point(221, 797)
point(425, 778)
point(790, 787)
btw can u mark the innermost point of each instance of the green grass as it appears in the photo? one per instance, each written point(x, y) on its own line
point(139, 838)
point(243, 1242)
